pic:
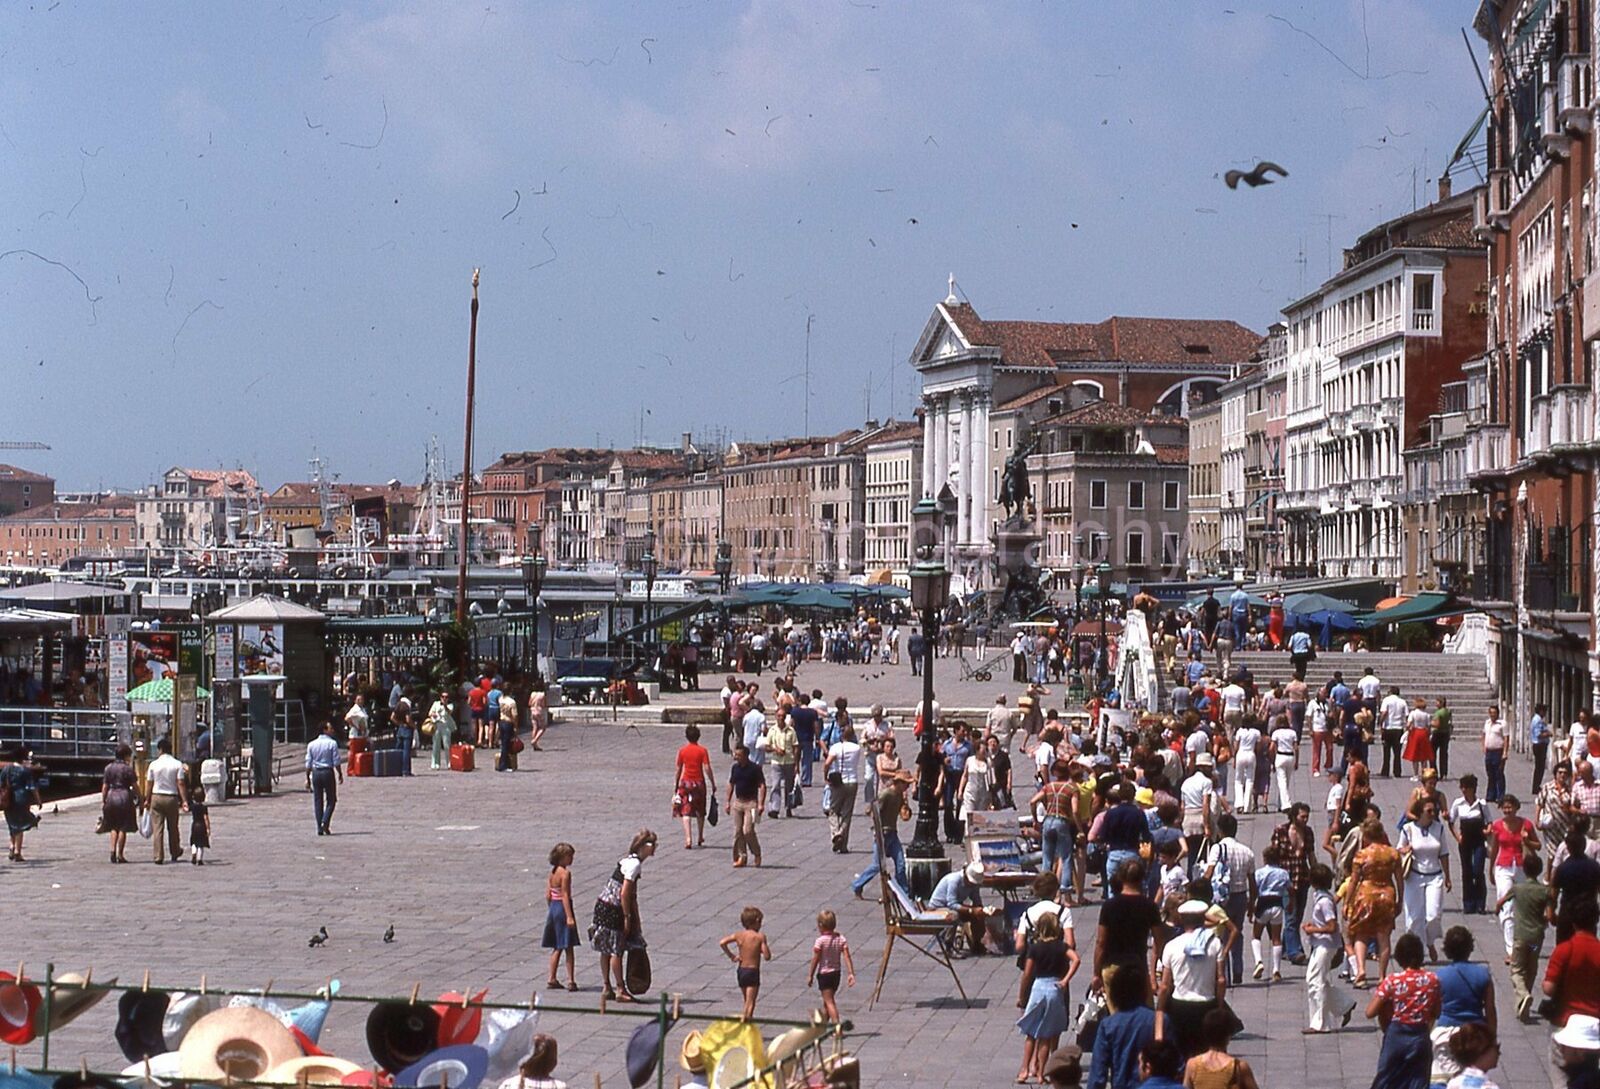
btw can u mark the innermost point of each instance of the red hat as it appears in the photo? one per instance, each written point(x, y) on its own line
point(458, 1022)
point(19, 1009)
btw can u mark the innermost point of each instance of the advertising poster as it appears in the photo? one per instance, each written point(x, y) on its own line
point(260, 649)
point(152, 655)
point(117, 672)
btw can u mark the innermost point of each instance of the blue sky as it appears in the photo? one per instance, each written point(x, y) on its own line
point(276, 209)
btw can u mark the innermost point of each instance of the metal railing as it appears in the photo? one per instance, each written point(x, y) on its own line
point(1488, 449)
point(1490, 582)
point(1364, 417)
point(65, 732)
point(1558, 587)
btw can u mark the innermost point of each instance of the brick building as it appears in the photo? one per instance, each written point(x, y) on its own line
point(49, 535)
point(1536, 451)
point(21, 489)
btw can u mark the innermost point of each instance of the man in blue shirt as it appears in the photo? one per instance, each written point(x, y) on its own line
point(1195, 670)
point(1123, 1035)
point(954, 752)
point(1539, 738)
point(1239, 613)
point(1122, 829)
point(322, 765)
point(958, 893)
point(804, 718)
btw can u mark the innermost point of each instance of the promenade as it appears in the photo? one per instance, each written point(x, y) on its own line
point(457, 864)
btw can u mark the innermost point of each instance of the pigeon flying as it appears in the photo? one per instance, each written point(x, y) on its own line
point(1256, 177)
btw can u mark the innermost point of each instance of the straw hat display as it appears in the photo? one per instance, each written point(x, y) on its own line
point(70, 996)
point(314, 1070)
point(239, 1042)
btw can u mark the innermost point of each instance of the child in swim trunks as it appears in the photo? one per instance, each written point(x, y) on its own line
point(748, 948)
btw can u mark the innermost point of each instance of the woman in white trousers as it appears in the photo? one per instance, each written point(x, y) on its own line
point(1244, 766)
point(1510, 838)
point(1424, 842)
point(1285, 759)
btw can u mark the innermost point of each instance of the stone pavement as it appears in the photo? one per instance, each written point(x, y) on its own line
point(458, 862)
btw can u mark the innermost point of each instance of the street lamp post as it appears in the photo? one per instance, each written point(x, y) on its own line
point(930, 587)
point(724, 562)
point(533, 567)
point(647, 564)
point(1103, 573)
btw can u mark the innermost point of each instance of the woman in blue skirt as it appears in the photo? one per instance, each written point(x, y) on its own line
point(560, 924)
point(1049, 965)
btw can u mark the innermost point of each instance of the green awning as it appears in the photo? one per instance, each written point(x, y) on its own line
point(160, 692)
point(1423, 607)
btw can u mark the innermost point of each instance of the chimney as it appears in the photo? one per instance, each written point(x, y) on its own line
point(1122, 387)
point(688, 441)
point(1444, 187)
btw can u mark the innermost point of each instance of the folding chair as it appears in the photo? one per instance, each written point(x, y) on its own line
point(904, 921)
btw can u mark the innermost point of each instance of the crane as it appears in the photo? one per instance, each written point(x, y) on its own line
point(24, 446)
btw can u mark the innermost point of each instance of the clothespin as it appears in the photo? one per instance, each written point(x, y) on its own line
point(202, 984)
point(147, 1076)
point(19, 972)
point(533, 1002)
point(465, 993)
point(87, 976)
point(677, 1005)
point(266, 992)
point(83, 1067)
point(416, 989)
point(146, 987)
point(597, 1082)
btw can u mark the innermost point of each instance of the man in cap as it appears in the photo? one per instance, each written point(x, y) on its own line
point(958, 893)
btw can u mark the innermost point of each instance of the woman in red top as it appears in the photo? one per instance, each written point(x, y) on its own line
point(1406, 1005)
point(690, 783)
point(1509, 837)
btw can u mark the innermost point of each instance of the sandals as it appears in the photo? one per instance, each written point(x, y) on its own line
point(572, 985)
point(552, 984)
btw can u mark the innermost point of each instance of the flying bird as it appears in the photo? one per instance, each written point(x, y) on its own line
point(388, 935)
point(319, 938)
point(1256, 177)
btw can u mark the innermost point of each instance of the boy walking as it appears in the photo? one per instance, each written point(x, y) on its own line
point(749, 949)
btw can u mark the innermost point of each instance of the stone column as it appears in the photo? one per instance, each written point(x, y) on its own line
point(980, 469)
point(941, 444)
point(928, 439)
point(964, 474)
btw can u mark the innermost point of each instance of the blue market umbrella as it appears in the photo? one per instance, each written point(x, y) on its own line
point(816, 597)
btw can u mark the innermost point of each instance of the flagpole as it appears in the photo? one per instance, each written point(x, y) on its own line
point(466, 460)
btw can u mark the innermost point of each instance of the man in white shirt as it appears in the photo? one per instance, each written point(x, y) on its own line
point(1392, 716)
point(1370, 687)
point(356, 720)
point(1231, 862)
point(1233, 699)
point(168, 795)
point(999, 722)
point(755, 732)
point(841, 767)
point(1198, 795)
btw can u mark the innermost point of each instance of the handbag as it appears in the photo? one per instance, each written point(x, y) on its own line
point(517, 744)
point(797, 797)
point(636, 970)
point(145, 828)
point(1089, 1017)
point(711, 810)
point(100, 828)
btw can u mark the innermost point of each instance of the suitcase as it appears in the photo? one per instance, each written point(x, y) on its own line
point(361, 764)
point(386, 763)
point(461, 758)
point(358, 744)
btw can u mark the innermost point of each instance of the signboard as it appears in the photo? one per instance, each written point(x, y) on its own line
point(222, 667)
point(664, 588)
point(185, 706)
point(575, 627)
point(417, 651)
point(117, 672)
point(260, 649)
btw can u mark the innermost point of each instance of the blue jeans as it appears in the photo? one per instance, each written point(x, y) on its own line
point(1241, 628)
point(1113, 860)
point(405, 735)
point(1293, 915)
point(808, 755)
point(891, 842)
point(1474, 889)
point(324, 796)
point(1055, 839)
point(1237, 905)
point(1494, 774)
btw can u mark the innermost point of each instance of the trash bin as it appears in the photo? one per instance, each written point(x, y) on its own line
point(213, 777)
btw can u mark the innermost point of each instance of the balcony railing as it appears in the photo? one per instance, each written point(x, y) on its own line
point(1574, 93)
point(1488, 582)
point(1488, 450)
point(1364, 417)
point(1558, 587)
point(1561, 419)
point(1424, 321)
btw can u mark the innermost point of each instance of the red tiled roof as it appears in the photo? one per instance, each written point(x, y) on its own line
point(894, 433)
point(647, 459)
point(1023, 400)
point(1108, 414)
point(71, 512)
point(11, 472)
point(1172, 455)
point(1117, 339)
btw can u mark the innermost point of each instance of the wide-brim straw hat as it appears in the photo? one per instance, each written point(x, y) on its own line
point(239, 1042)
point(311, 1070)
